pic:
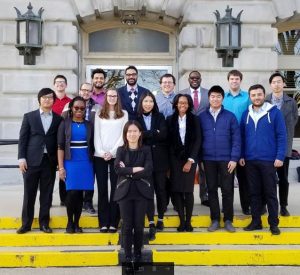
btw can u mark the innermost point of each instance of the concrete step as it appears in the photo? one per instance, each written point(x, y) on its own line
point(184, 255)
point(169, 222)
point(170, 238)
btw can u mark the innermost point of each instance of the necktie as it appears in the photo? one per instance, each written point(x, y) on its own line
point(196, 100)
point(133, 97)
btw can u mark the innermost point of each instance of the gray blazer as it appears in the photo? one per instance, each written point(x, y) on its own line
point(204, 103)
point(289, 110)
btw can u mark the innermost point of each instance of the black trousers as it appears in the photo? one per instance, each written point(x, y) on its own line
point(217, 174)
point(62, 190)
point(262, 183)
point(88, 197)
point(74, 201)
point(243, 187)
point(203, 190)
point(283, 184)
point(184, 203)
point(133, 219)
point(108, 210)
point(38, 177)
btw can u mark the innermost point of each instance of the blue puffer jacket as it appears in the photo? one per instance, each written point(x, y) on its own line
point(267, 139)
point(221, 140)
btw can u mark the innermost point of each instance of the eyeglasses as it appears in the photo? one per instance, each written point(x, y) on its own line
point(112, 96)
point(86, 90)
point(49, 97)
point(133, 74)
point(167, 82)
point(76, 108)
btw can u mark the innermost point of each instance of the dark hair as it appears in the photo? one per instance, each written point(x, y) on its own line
point(60, 76)
point(104, 113)
point(194, 72)
point(189, 99)
point(167, 75)
point(71, 104)
point(140, 109)
point(45, 91)
point(131, 67)
point(98, 71)
point(235, 73)
point(275, 75)
point(257, 86)
point(125, 130)
point(216, 89)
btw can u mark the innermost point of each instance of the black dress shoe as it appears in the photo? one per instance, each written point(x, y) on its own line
point(160, 226)
point(181, 228)
point(246, 212)
point(78, 229)
point(252, 226)
point(205, 203)
point(188, 227)
point(23, 230)
point(275, 230)
point(70, 230)
point(152, 232)
point(284, 212)
point(46, 229)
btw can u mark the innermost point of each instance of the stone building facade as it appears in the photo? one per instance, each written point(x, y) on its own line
point(189, 25)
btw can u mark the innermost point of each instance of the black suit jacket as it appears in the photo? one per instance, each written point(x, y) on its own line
point(156, 138)
point(126, 101)
point(33, 138)
point(143, 179)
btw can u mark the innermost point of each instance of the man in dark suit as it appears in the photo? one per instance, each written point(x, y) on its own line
point(201, 102)
point(37, 155)
point(130, 93)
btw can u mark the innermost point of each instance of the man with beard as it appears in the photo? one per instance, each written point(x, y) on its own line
point(201, 102)
point(130, 93)
point(98, 79)
point(264, 144)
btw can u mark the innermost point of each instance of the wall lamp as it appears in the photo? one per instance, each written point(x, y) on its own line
point(228, 37)
point(29, 34)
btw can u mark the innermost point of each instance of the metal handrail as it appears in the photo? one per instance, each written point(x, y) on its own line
point(8, 142)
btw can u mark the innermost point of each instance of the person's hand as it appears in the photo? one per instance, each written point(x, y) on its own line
point(187, 167)
point(121, 163)
point(23, 166)
point(242, 162)
point(62, 174)
point(231, 166)
point(107, 156)
point(278, 163)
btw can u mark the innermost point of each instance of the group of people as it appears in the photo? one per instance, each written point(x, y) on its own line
point(148, 144)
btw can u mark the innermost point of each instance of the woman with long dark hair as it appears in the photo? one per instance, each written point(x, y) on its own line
point(75, 155)
point(184, 140)
point(155, 134)
point(133, 166)
point(109, 125)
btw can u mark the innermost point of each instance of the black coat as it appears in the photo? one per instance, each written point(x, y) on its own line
point(33, 138)
point(142, 179)
point(156, 138)
point(179, 153)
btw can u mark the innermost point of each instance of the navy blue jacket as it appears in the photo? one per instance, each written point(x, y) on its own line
point(221, 139)
point(267, 140)
point(126, 101)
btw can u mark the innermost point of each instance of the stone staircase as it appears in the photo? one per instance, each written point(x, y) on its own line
point(37, 249)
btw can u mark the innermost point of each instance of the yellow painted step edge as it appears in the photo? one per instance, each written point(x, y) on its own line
point(56, 259)
point(58, 239)
point(229, 257)
point(169, 221)
point(196, 238)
